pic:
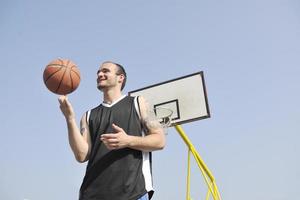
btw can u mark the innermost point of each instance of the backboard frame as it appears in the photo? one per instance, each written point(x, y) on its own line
point(175, 101)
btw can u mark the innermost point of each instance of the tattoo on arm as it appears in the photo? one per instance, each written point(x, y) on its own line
point(148, 116)
point(82, 130)
point(151, 123)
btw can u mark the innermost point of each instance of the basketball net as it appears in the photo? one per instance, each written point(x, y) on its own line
point(163, 115)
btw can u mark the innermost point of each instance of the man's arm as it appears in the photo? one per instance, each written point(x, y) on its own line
point(79, 140)
point(154, 139)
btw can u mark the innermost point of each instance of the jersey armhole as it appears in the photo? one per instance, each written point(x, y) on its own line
point(138, 110)
point(137, 106)
point(87, 116)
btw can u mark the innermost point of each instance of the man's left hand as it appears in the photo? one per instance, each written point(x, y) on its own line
point(117, 140)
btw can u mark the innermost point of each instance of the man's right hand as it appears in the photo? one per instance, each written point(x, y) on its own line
point(80, 142)
point(66, 107)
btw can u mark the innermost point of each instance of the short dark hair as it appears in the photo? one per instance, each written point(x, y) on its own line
point(120, 71)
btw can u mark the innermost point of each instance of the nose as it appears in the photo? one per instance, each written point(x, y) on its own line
point(99, 73)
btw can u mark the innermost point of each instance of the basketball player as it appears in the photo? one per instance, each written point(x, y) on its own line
point(116, 138)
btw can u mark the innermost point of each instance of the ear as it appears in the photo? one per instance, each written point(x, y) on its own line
point(121, 79)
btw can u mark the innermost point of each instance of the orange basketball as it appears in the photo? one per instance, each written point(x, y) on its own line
point(61, 76)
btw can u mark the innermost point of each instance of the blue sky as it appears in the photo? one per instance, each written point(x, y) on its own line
point(248, 50)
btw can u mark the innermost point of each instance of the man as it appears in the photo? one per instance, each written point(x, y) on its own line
point(116, 138)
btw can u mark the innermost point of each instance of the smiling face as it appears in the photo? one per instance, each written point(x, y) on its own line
point(108, 77)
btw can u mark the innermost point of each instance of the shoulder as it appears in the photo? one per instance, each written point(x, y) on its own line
point(86, 115)
point(140, 101)
point(94, 109)
point(143, 105)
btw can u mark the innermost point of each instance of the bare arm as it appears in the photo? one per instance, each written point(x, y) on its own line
point(79, 140)
point(154, 139)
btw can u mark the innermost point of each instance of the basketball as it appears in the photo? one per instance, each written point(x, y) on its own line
point(61, 76)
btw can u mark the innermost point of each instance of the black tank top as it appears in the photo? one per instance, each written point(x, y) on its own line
point(116, 174)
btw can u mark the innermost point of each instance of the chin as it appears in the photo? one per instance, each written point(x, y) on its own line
point(100, 87)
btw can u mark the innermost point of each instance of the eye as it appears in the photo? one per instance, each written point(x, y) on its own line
point(103, 71)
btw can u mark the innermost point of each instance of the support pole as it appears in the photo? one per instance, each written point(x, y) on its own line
point(208, 177)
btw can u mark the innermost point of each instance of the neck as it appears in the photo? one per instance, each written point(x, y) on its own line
point(111, 96)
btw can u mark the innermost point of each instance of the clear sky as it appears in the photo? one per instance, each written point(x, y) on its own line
point(249, 52)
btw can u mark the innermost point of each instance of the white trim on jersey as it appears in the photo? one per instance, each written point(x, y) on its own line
point(136, 105)
point(146, 157)
point(106, 105)
point(110, 105)
point(147, 172)
point(88, 113)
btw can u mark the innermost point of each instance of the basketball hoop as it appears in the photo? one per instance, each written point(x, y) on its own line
point(164, 117)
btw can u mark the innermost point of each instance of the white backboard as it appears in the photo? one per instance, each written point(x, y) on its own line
point(185, 96)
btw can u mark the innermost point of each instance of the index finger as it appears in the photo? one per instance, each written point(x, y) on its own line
point(108, 135)
point(62, 98)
